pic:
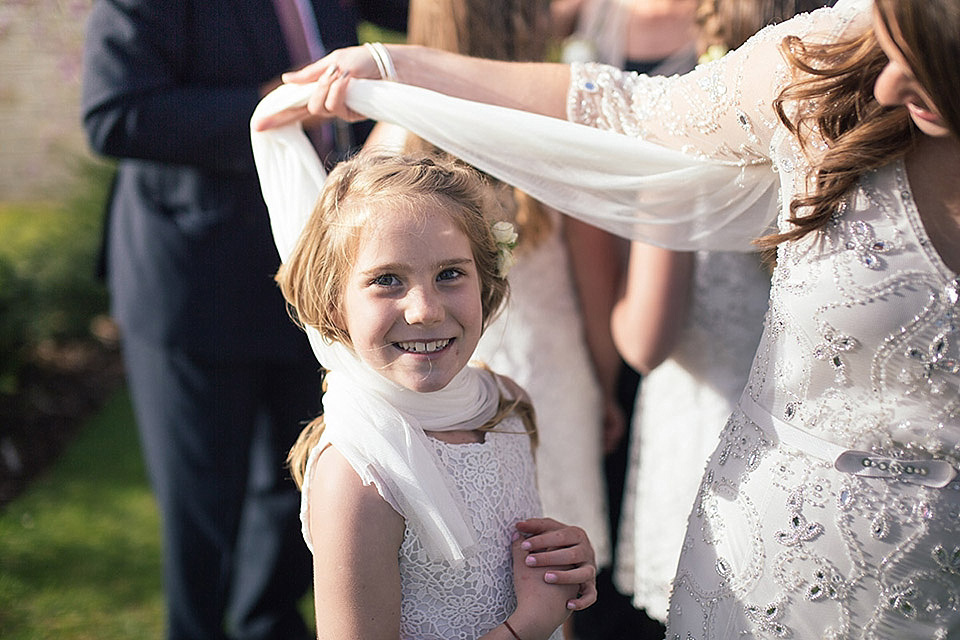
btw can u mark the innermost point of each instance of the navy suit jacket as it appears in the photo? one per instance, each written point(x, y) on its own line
point(169, 87)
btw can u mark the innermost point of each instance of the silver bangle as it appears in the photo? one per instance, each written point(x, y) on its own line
point(376, 58)
point(383, 60)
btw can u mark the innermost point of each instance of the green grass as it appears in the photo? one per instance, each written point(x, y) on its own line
point(80, 550)
point(80, 554)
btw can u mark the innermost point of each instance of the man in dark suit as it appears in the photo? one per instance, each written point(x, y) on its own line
point(220, 378)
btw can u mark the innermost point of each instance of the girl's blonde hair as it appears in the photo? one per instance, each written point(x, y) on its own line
point(833, 87)
point(513, 30)
point(355, 193)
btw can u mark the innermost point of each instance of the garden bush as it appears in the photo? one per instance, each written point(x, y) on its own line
point(48, 284)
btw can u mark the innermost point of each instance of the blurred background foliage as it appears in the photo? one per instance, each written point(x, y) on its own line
point(49, 290)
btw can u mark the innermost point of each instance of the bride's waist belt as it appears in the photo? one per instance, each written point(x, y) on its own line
point(929, 472)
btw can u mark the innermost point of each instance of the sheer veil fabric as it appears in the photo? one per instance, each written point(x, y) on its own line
point(630, 187)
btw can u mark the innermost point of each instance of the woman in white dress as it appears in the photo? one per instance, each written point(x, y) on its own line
point(830, 507)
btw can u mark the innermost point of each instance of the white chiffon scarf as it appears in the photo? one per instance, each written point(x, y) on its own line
point(630, 187)
point(377, 425)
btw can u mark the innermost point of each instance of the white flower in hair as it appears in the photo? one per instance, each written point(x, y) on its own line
point(505, 236)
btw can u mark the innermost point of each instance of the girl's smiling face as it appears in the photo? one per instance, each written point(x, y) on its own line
point(412, 301)
point(897, 86)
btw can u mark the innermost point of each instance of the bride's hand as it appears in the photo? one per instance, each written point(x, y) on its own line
point(332, 74)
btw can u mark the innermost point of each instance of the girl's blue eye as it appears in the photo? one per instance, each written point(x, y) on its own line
point(386, 280)
point(449, 274)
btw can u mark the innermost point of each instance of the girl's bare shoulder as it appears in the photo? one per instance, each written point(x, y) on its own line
point(338, 489)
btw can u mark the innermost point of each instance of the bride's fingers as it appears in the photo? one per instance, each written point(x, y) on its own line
point(279, 119)
point(309, 73)
point(356, 61)
point(336, 100)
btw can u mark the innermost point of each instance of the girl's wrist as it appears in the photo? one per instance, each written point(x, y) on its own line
point(513, 632)
point(519, 628)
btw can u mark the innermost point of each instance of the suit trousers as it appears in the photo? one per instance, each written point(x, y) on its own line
point(215, 436)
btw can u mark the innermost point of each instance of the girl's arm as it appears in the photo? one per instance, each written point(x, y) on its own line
point(652, 310)
point(356, 537)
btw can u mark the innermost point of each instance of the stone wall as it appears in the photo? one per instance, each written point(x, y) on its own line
point(41, 44)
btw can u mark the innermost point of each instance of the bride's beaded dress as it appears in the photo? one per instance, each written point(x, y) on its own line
point(831, 507)
point(681, 408)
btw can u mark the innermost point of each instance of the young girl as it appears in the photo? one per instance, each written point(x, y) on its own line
point(420, 474)
point(829, 508)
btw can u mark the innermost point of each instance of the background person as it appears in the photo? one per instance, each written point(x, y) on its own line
point(220, 379)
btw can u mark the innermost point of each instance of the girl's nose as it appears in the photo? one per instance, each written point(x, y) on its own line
point(422, 306)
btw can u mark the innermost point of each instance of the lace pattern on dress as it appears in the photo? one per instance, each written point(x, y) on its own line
point(442, 601)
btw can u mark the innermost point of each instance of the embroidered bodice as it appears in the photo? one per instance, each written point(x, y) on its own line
point(864, 326)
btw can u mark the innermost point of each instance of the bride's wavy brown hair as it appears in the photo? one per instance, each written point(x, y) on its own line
point(833, 89)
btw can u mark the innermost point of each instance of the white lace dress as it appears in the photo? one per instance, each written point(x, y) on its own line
point(538, 340)
point(680, 410)
point(859, 353)
point(441, 601)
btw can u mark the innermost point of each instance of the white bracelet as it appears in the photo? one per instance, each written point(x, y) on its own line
point(387, 61)
point(383, 60)
point(376, 58)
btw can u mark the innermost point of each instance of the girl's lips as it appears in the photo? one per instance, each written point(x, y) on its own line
point(423, 346)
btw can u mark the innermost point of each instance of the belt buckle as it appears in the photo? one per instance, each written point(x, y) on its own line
point(929, 473)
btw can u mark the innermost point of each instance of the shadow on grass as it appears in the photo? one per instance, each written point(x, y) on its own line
point(80, 550)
